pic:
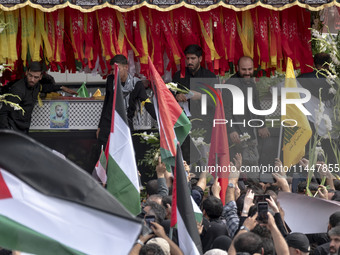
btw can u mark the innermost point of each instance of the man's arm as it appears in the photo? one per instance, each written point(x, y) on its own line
point(197, 192)
point(162, 187)
point(49, 85)
point(229, 212)
point(249, 224)
point(159, 231)
point(280, 244)
point(139, 93)
point(7, 111)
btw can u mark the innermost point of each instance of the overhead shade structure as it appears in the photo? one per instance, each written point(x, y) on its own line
point(167, 5)
point(73, 35)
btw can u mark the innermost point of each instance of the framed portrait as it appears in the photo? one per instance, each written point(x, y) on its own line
point(59, 114)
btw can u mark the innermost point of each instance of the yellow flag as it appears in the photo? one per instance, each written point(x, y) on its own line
point(3, 42)
point(98, 93)
point(209, 40)
point(143, 35)
point(12, 18)
point(296, 137)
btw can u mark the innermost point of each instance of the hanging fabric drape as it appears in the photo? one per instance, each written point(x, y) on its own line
point(68, 39)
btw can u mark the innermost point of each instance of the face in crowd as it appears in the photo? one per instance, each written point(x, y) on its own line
point(193, 62)
point(334, 245)
point(123, 71)
point(246, 68)
point(33, 78)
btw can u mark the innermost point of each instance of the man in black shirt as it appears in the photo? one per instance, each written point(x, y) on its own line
point(193, 54)
point(25, 93)
point(243, 79)
point(133, 92)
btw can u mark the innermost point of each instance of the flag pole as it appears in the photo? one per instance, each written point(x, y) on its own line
point(171, 232)
point(216, 164)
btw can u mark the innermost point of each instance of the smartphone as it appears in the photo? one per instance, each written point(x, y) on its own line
point(262, 212)
point(261, 198)
point(266, 178)
point(148, 219)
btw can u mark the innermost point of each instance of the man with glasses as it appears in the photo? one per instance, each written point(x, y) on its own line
point(25, 93)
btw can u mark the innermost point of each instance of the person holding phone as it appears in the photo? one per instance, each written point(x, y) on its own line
point(157, 231)
point(246, 241)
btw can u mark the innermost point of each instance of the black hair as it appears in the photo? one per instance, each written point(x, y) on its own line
point(248, 242)
point(268, 246)
point(166, 200)
point(194, 49)
point(151, 249)
point(303, 185)
point(272, 188)
point(157, 210)
point(154, 197)
point(336, 196)
point(335, 231)
point(213, 207)
point(221, 242)
point(322, 60)
point(119, 59)
point(35, 66)
point(334, 219)
point(151, 187)
point(239, 204)
point(336, 184)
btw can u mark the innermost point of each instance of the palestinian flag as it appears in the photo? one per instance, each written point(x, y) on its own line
point(173, 124)
point(197, 211)
point(219, 147)
point(99, 172)
point(182, 211)
point(49, 205)
point(122, 175)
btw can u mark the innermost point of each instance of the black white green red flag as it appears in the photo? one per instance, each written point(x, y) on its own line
point(174, 125)
point(99, 171)
point(122, 175)
point(49, 205)
point(183, 211)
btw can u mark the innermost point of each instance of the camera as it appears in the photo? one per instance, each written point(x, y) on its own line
point(262, 212)
point(148, 219)
point(261, 198)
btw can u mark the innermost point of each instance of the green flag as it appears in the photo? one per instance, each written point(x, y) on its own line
point(82, 91)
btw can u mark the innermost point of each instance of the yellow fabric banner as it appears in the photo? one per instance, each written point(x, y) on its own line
point(246, 32)
point(40, 16)
point(3, 42)
point(12, 19)
point(294, 138)
point(143, 35)
point(209, 40)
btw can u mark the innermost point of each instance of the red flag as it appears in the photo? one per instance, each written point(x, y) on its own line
point(219, 147)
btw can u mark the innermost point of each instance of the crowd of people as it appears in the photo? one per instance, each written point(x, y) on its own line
point(238, 224)
point(250, 220)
